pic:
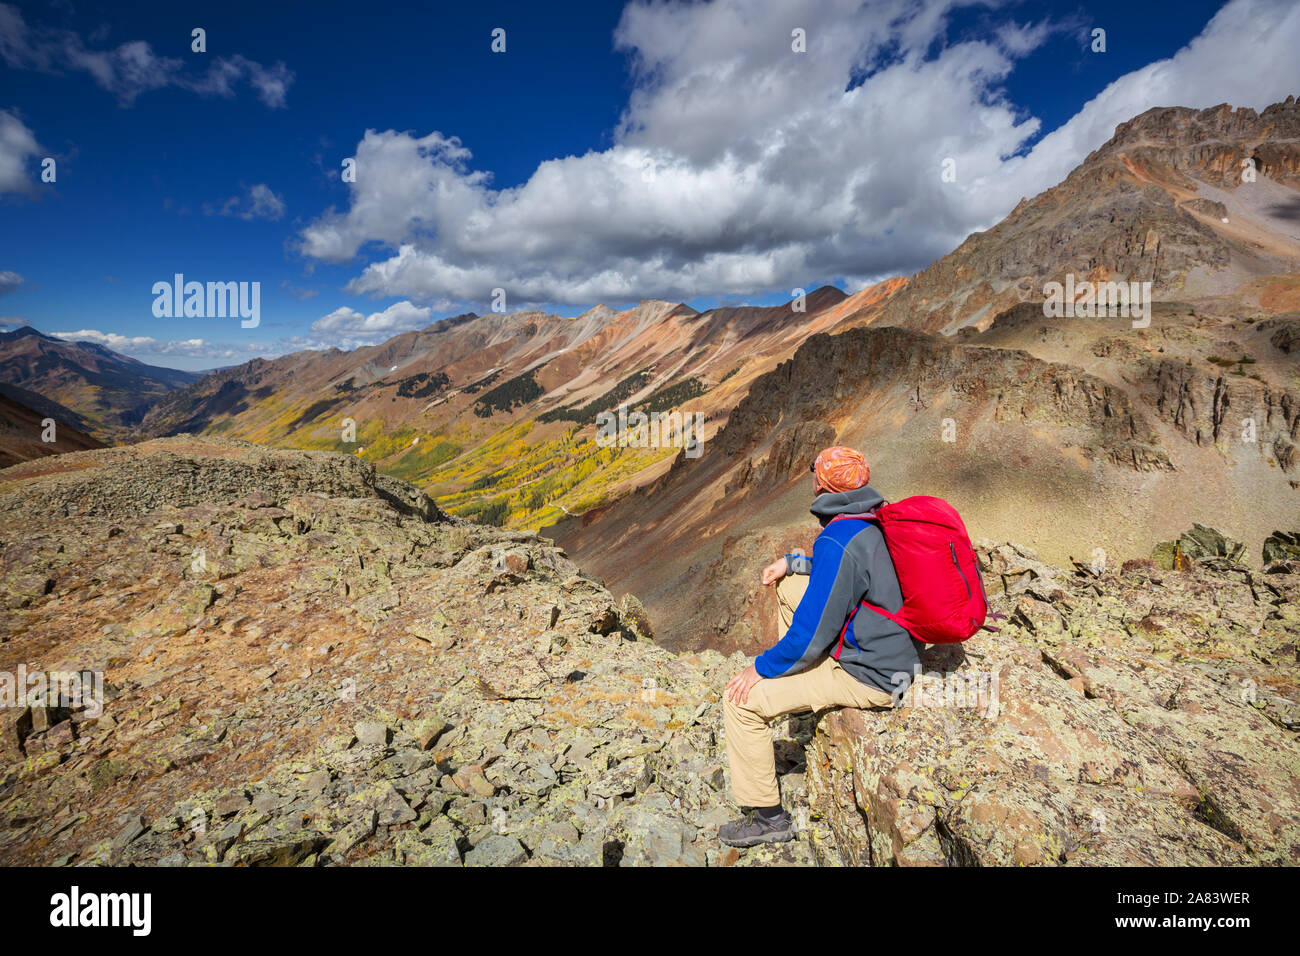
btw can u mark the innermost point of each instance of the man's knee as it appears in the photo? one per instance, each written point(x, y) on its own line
point(749, 711)
point(791, 588)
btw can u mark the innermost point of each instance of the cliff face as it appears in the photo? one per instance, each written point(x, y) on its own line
point(1211, 143)
point(1210, 408)
point(301, 665)
point(822, 376)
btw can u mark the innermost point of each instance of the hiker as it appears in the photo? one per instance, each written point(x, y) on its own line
point(815, 598)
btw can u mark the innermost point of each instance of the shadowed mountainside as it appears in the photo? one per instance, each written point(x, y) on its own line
point(106, 393)
point(23, 415)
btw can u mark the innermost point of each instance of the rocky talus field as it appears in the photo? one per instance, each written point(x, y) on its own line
point(308, 664)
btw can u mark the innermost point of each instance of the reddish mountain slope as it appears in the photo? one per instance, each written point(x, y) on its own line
point(1068, 434)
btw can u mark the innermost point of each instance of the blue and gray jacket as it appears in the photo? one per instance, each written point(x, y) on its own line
point(849, 562)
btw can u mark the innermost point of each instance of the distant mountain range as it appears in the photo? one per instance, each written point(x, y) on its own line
point(495, 414)
point(107, 391)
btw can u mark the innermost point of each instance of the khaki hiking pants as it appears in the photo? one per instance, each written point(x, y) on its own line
point(749, 739)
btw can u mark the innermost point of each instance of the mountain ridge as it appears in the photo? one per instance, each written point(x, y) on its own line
point(108, 392)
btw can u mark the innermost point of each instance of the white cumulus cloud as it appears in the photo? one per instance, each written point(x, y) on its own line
point(740, 166)
point(354, 327)
point(121, 343)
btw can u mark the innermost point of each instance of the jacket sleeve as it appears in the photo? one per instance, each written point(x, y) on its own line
point(834, 587)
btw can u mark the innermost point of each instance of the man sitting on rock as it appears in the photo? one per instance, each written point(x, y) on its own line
point(803, 671)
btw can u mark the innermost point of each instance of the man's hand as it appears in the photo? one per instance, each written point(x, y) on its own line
point(738, 687)
point(775, 571)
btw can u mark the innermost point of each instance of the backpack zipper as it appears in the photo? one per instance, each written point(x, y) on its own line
point(956, 564)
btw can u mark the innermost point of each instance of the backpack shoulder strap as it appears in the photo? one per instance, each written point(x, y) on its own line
point(870, 516)
point(896, 618)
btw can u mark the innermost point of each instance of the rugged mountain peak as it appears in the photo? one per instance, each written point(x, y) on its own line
point(451, 322)
point(599, 312)
point(1212, 143)
point(1183, 126)
point(1192, 201)
point(23, 332)
point(829, 292)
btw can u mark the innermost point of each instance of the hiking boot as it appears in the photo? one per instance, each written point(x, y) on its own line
point(756, 829)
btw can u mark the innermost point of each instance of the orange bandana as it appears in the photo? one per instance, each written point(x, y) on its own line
point(841, 469)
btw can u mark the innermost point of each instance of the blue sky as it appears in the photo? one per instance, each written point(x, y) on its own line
point(611, 153)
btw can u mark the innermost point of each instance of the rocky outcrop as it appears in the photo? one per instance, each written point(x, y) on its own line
point(1127, 717)
point(1198, 544)
point(291, 677)
point(1282, 551)
point(184, 471)
point(1212, 143)
point(1216, 406)
point(1016, 387)
point(296, 671)
point(1285, 333)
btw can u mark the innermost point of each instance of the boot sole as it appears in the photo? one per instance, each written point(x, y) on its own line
point(776, 836)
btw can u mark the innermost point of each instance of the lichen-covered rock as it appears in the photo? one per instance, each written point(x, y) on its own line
point(1283, 546)
point(338, 682)
point(1197, 544)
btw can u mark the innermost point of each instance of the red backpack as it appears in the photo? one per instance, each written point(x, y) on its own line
point(943, 596)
